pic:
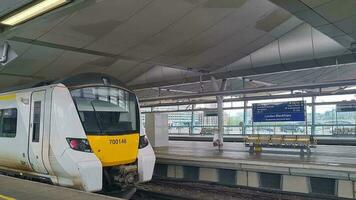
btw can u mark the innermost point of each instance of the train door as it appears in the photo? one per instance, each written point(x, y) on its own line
point(36, 131)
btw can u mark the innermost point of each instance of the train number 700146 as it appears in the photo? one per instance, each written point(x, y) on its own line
point(117, 141)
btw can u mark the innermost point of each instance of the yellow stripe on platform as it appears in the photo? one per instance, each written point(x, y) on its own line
point(8, 97)
point(6, 197)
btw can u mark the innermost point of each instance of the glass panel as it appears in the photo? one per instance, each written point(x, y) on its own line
point(309, 114)
point(180, 130)
point(180, 118)
point(344, 130)
point(327, 120)
point(36, 121)
point(8, 122)
point(206, 105)
point(234, 104)
point(238, 104)
point(346, 118)
point(227, 104)
point(233, 117)
point(325, 114)
point(232, 130)
point(106, 110)
point(248, 116)
point(335, 98)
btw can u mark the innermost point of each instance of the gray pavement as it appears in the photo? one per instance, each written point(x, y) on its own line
point(13, 188)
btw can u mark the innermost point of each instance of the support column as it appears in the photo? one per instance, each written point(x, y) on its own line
point(313, 116)
point(245, 109)
point(245, 118)
point(218, 140)
point(192, 121)
point(220, 118)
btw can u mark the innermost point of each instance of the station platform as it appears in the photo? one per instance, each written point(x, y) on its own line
point(329, 170)
point(18, 189)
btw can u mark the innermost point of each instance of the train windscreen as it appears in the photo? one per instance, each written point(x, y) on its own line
point(107, 110)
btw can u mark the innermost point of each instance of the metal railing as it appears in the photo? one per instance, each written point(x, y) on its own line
point(322, 130)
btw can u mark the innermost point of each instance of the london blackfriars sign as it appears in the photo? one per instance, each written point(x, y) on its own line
point(279, 112)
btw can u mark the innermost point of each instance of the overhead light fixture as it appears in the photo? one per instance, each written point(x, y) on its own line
point(31, 11)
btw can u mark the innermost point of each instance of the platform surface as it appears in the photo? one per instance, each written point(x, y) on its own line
point(13, 188)
point(340, 159)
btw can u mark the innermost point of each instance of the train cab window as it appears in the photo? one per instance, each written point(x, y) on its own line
point(107, 110)
point(36, 121)
point(8, 122)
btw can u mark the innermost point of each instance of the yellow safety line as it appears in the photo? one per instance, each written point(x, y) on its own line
point(8, 97)
point(6, 197)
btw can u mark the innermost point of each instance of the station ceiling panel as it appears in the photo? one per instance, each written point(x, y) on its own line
point(8, 6)
point(332, 17)
point(128, 38)
point(158, 43)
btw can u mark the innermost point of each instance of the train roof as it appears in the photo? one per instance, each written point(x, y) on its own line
point(75, 81)
point(91, 79)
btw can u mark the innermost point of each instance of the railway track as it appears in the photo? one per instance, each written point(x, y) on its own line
point(152, 195)
point(168, 189)
point(163, 189)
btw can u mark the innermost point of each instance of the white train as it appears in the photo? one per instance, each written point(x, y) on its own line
point(83, 132)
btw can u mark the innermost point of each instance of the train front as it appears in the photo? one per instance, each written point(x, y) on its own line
point(111, 119)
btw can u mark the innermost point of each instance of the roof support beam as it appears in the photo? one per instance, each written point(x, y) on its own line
point(254, 90)
point(250, 99)
point(292, 66)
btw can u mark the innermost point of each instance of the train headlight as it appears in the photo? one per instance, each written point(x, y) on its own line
point(143, 142)
point(79, 144)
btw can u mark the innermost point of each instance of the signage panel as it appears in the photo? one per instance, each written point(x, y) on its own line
point(279, 112)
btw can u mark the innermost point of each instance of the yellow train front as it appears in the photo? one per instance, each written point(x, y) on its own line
point(110, 116)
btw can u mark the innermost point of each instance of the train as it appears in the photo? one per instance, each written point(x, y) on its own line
point(82, 132)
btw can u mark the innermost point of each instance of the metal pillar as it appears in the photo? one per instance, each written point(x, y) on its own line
point(245, 109)
point(306, 116)
point(313, 116)
point(192, 121)
point(219, 99)
point(218, 139)
point(245, 118)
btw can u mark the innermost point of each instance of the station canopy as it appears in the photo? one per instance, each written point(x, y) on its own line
point(169, 47)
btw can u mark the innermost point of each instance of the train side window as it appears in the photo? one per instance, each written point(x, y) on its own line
point(8, 122)
point(36, 124)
